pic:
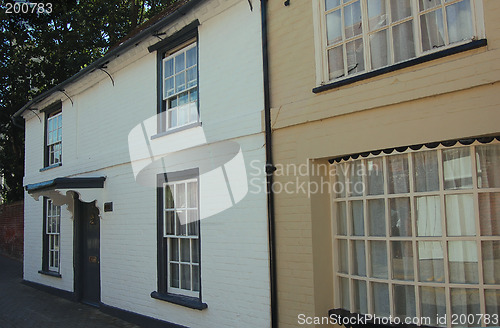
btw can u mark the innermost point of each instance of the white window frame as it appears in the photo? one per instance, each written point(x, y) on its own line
point(54, 138)
point(53, 232)
point(320, 37)
point(182, 232)
point(191, 91)
point(416, 282)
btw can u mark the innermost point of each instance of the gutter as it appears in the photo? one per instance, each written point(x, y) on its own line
point(270, 168)
point(111, 54)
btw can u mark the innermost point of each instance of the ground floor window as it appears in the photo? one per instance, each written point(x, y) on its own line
point(52, 232)
point(179, 235)
point(417, 235)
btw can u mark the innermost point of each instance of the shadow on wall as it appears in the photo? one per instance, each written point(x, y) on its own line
point(12, 230)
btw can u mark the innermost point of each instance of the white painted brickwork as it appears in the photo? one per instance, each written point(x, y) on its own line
point(235, 268)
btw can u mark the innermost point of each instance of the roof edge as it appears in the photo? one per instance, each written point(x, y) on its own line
point(109, 55)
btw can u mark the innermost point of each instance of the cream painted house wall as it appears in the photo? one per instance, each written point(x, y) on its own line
point(453, 97)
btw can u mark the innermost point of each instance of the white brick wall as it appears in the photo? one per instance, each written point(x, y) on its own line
point(235, 274)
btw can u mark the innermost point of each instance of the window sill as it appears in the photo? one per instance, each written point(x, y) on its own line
point(175, 130)
point(412, 62)
point(50, 167)
point(190, 302)
point(50, 273)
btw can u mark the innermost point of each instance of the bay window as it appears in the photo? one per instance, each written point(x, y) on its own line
point(417, 234)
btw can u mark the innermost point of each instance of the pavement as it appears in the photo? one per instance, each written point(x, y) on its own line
point(22, 306)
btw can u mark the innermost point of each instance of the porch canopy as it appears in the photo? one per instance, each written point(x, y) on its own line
point(63, 190)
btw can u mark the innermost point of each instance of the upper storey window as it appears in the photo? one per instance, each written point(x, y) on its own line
point(180, 88)
point(364, 35)
point(54, 138)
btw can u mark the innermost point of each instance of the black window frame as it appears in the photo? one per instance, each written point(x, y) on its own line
point(48, 112)
point(162, 244)
point(184, 37)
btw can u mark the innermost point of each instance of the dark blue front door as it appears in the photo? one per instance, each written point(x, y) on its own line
point(90, 261)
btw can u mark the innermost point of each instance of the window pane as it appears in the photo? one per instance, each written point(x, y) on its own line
point(355, 57)
point(465, 302)
point(398, 174)
point(432, 303)
point(432, 29)
point(192, 191)
point(341, 218)
point(402, 260)
point(172, 102)
point(491, 262)
point(339, 186)
point(169, 223)
point(168, 88)
point(358, 224)
point(400, 216)
point(193, 112)
point(343, 257)
point(334, 27)
point(427, 4)
point(376, 218)
point(185, 276)
point(180, 196)
point(180, 82)
point(459, 17)
point(172, 118)
point(193, 95)
point(195, 249)
point(492, 298)
point(380, 299)
point(196, 278)
point(404, 301)
point(379, 47)
point(377, 14)
point(460, 218)
point(169, 198)
point(183, 114)
point(352, 20)
point(359, 295)
point(489, 214)
point(168, 67)
point(375, 176)
point(428, 213)
point(329, 4)
point(358, 258)
point(179, 62)
point(426, 171)
point(400, 9)
point(174, 275)
point(488, 166)
point(457, 168)
point(344, 293)
point(174, 249)
point(181, 223)
point(462, 258)
point(191, 77)
point(404, 46)
point(356, 185)
point(430, 261)
point(185, 250)
point(378, 252)
point(336, 63)
point(191, 57)
point(193, 222)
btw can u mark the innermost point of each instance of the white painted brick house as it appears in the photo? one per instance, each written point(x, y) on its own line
point(138, 197)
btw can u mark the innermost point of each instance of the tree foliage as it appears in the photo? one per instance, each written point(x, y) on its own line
point(38, 51)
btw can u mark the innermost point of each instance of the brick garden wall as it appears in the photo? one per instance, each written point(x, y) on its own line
point(12, 230)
